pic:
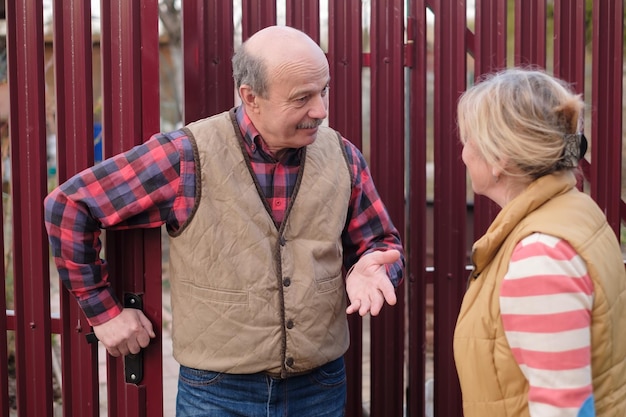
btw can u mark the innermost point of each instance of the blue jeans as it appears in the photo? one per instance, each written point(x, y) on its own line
point(319, 393)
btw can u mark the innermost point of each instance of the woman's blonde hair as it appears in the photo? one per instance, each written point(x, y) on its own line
point(525, 117)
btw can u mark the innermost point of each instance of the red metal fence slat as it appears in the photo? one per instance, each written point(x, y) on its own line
point(121, 75)
point(490, 31)
point(135, 402)
point(148, 283)
point(5, 315)
point(4, 367)
point(569, 42)
point(606, 104)
point(530, 32)
point(569, 47)
point(28, 166)
point(207, 53)
point(387, 166)
point(73, 86)
point(256, 14)
point(305, 15)
point(416, 222)
point(153, 308)
point(116, 127)
point(74, 131)
point(449, 204)
point(345, 51)
point(345, 101)
point(130, 116)
point(150, 77)
point(490, 55)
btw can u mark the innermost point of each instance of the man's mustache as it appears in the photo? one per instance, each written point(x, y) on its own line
point(310, 125)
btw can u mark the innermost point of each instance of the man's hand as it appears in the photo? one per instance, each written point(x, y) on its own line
point(368, 285)
point(126, 333)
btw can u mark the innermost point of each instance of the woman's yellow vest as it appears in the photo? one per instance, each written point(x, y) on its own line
point(491, 382)
point(248, 296)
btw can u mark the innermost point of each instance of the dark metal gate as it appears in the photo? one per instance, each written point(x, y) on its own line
point(412, 58)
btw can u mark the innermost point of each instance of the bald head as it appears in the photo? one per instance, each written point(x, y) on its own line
point(280, 42)
point(269, 53)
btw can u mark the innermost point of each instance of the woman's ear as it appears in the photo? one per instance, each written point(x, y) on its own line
point(498, 168)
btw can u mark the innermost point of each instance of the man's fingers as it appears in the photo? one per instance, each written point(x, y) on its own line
point(370, 283)
point(358, 305)
point(389, 294)
point(134, 347)
point(353, 307)
point(113, 351)
point(374, 304)
point(143, 339)
point(365, 307)
point(147, 325)
point(379, 301)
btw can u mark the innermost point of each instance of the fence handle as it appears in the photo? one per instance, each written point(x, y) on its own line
point(133, 362)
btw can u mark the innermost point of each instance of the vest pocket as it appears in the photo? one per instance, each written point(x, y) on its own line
point(329, 283)
point(188, 288)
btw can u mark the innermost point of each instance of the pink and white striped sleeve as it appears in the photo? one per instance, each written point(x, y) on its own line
point(546, 299)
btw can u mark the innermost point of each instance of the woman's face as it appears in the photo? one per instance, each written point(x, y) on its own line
point(479, 170)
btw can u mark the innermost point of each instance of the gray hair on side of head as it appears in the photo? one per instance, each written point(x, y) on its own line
point(249, 69)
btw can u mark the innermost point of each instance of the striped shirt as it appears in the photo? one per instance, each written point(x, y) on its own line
point(155, 184)
point(546, 300)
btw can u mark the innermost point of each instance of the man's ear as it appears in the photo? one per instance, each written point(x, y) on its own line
point(248, 97)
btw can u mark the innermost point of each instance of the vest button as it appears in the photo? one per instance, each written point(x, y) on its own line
point(289, 361)
point(287, 282)
point(289, 324)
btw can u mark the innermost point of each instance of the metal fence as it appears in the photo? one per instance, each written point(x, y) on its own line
point(412, 58)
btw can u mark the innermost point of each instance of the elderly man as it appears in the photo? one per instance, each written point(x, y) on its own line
point(264, 208)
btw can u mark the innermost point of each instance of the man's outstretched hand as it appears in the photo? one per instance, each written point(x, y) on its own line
point(368, 285)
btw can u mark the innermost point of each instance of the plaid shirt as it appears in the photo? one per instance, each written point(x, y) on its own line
point(155, 184)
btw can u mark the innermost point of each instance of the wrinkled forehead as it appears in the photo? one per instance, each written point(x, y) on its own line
point(279, 44)
point(297, 69)
point(296, 55)
point(303, 69)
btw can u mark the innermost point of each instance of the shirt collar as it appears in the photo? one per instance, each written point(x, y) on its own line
point(248, 131)
point(253, 139)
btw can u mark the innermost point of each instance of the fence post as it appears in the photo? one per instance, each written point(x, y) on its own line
point(388, 167)
point(450, 252)
point(130, 61)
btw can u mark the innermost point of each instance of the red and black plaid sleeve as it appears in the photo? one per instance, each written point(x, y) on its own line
point(145, 187)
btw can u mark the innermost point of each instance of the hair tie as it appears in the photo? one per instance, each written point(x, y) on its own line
point(583, 145)
point(574, 150)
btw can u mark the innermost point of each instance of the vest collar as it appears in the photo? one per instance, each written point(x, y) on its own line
point(534, 196)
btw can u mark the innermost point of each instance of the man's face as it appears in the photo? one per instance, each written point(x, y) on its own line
point(296, 103)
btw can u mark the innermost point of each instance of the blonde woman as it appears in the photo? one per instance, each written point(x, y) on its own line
point(541, 331)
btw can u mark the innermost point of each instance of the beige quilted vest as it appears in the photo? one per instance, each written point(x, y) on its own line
point(248, 297)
